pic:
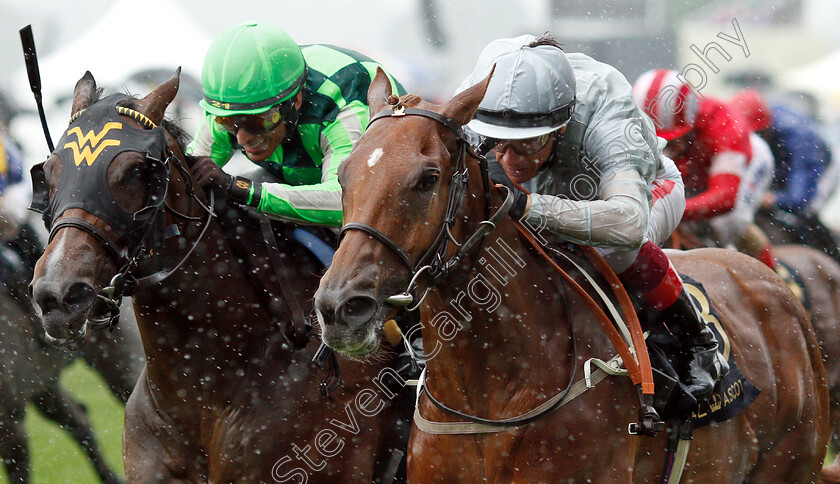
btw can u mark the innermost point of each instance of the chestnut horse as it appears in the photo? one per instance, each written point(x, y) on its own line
point(225, 396)
point(505, 335)
point(818, 274)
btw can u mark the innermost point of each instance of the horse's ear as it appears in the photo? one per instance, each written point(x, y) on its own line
point(378, 92)
point(155, 103)
point(462, 107)
point(83, 92)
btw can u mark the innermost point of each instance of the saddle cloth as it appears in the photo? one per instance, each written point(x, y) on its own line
point(734, 392)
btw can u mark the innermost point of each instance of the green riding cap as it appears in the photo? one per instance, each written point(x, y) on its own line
point(249, 68)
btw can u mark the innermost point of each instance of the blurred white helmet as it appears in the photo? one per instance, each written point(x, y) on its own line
point(532, 91)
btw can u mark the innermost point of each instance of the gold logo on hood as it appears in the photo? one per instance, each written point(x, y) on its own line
point(81, 150)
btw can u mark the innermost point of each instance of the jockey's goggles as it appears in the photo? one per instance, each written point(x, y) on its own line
point(260, 123)
point(524, 147)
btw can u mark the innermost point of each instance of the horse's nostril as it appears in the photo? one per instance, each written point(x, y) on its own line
point(357, 310)
point(47, 303)
point(79, 295)
point(45, 296)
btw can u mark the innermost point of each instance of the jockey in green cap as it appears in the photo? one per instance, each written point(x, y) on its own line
point(295, 111)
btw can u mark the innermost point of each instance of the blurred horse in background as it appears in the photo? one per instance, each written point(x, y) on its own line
point(30, 370)
point(814, 277)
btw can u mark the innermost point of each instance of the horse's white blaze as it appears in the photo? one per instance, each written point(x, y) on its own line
point(374, 157)
point(57, 254)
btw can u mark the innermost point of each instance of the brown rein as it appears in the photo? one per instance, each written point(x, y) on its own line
point(639, 373)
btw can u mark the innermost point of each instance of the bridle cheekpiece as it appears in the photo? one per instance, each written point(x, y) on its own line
point(433, 263)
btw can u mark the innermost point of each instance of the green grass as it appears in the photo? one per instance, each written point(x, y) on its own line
point(55, 457)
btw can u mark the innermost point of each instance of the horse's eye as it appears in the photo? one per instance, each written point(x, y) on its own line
point(135, 176)
point(428, 181)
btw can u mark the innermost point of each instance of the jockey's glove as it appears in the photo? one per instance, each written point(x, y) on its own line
point(520, 198)
point(239, 189)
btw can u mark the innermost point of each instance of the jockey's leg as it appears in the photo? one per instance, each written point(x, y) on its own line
point(737, 227)
point(754, 242)
point(650, 277)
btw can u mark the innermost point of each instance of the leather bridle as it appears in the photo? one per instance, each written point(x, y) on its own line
point(140, 231)
point(433, 262)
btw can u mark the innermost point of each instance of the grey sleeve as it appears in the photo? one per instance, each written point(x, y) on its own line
point(618, 219)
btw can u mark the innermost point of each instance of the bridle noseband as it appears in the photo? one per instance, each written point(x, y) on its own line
point(433, 262)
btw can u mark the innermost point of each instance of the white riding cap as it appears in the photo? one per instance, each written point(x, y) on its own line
point(532, 91)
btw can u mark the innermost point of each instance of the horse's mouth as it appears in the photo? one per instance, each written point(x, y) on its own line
point(72, 343)
point(354, 343)
point(367, 348)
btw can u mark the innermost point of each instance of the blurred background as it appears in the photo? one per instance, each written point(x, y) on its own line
point(791, 50)
point(430, 45)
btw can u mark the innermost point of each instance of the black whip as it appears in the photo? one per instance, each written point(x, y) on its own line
point(31, 59)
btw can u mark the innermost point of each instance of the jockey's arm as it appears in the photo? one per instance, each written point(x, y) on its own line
point(724, 179)
point(315, 204)
point(618, 219)
point(320, 203)
point(620, 147)
point(211, 142)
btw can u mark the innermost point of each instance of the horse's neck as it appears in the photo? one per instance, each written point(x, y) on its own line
point(206, 307)
point(505, 325)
